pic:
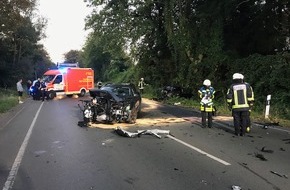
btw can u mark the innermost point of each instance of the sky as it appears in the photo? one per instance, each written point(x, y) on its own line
point(65, 27)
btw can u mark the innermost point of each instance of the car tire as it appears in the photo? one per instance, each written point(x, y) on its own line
point(51, 95)
point(138, 107)
point(83, 92)
point(133, 116)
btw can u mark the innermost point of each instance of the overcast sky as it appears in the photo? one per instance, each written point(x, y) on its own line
point(65, 28)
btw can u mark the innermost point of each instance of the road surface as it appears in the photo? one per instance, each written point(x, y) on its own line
point(43, 148)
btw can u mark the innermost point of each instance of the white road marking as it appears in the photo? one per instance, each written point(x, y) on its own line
point(13, 172)
point(278, 129)
point(200, 151)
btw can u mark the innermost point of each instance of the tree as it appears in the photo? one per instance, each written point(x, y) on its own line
point(73, 56)
point(20, 31)
point(183, 42)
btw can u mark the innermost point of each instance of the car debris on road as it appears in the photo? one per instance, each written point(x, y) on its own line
point(266, 150)
point(235, 187)
point(280, 175)
point(154, 132)
point(261, 157)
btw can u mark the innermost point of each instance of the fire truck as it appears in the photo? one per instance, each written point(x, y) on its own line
point(68, 81)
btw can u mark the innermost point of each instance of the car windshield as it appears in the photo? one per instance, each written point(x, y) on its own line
point(120, 91)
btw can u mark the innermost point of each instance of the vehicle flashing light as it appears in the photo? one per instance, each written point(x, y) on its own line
point(63, 70)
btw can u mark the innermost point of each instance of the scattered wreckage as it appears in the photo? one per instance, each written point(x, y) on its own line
point(154, 132)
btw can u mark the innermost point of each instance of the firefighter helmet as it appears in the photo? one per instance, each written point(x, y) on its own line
point(206, 82)
point(238, 76)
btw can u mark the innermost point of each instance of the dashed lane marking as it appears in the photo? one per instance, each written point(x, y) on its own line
point(200, 151)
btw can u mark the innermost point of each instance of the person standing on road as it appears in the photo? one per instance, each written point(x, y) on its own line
point(19, 90)
point(42, 89)
point(249, 123)
point(141, 85)
point(206, 94)
point(28, 85)
point(240, 98)
point(36, 87)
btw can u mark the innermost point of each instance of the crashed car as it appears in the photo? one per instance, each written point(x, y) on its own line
point(114, 103)
point(170, 91)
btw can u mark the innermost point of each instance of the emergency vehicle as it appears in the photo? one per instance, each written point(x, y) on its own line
point(68, 81)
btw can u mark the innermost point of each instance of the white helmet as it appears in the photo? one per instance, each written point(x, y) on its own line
point(206, 82)
point(238, 76)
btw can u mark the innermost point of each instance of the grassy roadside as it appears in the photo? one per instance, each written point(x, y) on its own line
point(8, 99)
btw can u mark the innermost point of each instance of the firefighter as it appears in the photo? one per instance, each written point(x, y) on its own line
point(249, 123)
point(141, 85)
point(240, 98)
point(206, 94)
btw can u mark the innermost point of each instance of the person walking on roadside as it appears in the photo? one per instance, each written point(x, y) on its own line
point(19, 90)
point(240, 98)
point(206, 94)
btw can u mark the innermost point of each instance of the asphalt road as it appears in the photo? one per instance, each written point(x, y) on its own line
point(43, 148)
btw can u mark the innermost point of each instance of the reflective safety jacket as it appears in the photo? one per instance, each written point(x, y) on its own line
point(206, 95)
point(141, 84)
point(240, 96)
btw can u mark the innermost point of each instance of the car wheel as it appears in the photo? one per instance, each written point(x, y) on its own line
point(133, 116)
point(138, 107)
point(51, 94)
point(82, 94)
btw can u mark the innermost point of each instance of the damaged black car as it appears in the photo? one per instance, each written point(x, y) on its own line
point(113, 103)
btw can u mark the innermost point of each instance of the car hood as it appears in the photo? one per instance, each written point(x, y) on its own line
point(97, 93)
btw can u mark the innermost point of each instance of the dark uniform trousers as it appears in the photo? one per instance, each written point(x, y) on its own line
point(241, 119)
point(209, 118)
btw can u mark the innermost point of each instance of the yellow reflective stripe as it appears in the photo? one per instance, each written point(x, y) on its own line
point(207, 109)
point(252, 95)
point(200, 93)
point(250, 99)
point(236, 98)
point(241, 106)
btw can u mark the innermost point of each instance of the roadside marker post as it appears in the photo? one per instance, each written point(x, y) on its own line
point(267, 107)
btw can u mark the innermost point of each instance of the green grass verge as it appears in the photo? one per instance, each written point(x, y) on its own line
point(8, 99)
